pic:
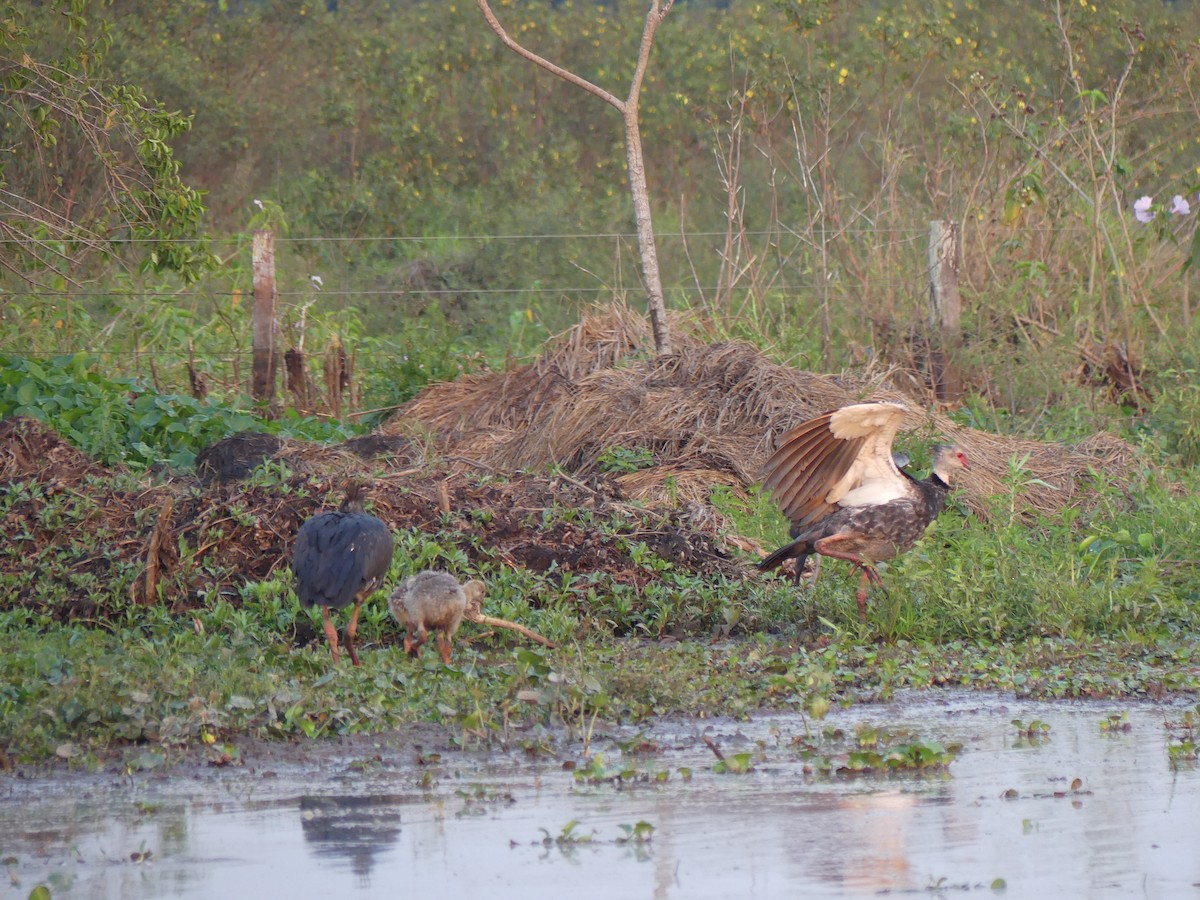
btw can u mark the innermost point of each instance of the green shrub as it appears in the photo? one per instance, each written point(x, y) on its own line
point(121, 420)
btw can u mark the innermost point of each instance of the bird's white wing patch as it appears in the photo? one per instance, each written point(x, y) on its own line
point(874, 493)
point(863, 419)
point(873, 477)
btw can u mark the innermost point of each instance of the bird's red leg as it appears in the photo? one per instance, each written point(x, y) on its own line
point(331, 634)
point(862, 595)
point(443, 645)
point(352, 630)
point(829, 547)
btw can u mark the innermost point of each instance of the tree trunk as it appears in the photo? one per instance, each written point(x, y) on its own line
point(645, 229)
point(633, 152)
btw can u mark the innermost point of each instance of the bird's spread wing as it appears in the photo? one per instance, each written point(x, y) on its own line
point(841, 458)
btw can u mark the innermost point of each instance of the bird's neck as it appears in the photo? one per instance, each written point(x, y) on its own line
point(934, 489)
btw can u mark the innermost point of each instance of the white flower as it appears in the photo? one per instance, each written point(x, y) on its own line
point(1179, 206)
point(1142, 211)
point(317, 282)
point(259, 204)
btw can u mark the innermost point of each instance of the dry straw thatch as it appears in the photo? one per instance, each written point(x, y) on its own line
point(709, 413)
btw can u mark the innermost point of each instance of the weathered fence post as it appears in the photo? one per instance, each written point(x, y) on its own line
point(337, 376)
point(945, 311)
point(296, 377)
point(262, 261)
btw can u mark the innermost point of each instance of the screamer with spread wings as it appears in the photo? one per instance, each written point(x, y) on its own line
point(835, 478)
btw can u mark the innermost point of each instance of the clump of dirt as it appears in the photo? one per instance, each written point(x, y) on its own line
point(236, 456)
point(29, 449)
point(512, 527)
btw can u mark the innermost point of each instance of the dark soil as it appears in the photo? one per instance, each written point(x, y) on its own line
point(235, 531)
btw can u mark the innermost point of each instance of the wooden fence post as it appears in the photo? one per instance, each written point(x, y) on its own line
point(262, 260)
point(296, 377)
point(945, 311)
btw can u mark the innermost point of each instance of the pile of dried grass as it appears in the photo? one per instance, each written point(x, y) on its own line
point(710, 412)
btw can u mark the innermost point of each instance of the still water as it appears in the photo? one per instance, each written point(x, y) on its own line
point(473, 824)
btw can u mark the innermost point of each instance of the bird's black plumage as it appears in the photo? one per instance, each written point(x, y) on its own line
point(340, 558)
point(338, 555)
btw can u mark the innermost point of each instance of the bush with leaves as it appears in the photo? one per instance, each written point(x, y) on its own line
point(88, 165)
point(121, 420)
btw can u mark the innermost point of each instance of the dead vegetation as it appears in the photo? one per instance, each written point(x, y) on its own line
point(473, 459)
point(709, 413)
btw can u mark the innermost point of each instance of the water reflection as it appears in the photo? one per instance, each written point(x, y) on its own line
point(505, 826)
point(350, 829)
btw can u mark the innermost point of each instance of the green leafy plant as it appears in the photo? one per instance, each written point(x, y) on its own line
point(121, 420)
point(734, 764)
point(641, 832)
point(619, 460)
point(1032, 733)
point(569, 835)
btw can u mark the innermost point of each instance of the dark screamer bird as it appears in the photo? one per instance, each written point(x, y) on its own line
point(835, 478)
point(341, 558)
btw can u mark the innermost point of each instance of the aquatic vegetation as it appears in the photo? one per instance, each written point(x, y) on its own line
point(1116, 723)
point(597, 772)
point(1031, 733)
point(734, 764)
point(1183, 739)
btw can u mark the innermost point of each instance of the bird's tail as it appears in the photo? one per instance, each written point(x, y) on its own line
point(795, 548)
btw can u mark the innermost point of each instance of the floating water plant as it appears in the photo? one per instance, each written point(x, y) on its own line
point(1031, 733)
point(1182, 746)
point(639, 833)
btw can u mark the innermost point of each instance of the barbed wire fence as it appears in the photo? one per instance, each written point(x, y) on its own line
point(384, 282)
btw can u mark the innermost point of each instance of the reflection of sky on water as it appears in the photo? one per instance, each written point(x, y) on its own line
point(478, 828)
